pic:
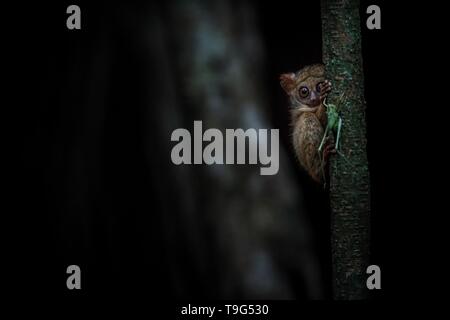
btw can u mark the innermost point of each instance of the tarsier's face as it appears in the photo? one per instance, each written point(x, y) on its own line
point(304, 87)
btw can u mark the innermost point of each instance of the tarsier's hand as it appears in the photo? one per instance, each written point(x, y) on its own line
point(324, 88)
point(329, 148)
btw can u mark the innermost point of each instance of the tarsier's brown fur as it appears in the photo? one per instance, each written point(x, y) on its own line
point(308, 115)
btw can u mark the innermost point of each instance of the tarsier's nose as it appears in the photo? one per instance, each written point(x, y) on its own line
point(314, 98)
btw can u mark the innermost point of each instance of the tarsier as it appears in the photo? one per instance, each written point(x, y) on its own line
point(307, 90)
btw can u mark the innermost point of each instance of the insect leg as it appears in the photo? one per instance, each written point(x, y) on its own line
point(338, 134)
point(323, 140)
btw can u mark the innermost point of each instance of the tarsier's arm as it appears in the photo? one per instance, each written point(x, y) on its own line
point(306, 139)
point(322, 112)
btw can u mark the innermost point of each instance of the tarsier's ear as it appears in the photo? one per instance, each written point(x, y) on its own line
point(287, 81)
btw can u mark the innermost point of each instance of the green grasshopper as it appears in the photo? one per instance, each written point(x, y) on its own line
point(334, 125)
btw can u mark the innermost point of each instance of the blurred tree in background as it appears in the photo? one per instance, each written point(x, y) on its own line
point(251, 226)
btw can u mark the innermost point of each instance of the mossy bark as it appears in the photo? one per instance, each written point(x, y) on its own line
point(349, 174)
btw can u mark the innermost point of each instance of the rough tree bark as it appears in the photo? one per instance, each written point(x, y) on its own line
point(349, 180)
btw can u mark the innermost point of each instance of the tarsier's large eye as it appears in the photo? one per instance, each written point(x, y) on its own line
point(319, 86)
point(303, 92)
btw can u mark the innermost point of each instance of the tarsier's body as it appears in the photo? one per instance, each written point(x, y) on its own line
point(307, 90)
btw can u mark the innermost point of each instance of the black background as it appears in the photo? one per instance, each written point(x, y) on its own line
point(43, 40)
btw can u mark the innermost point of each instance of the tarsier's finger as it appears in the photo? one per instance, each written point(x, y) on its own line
point(326, 87)
point(324, 94)
point(329, 148)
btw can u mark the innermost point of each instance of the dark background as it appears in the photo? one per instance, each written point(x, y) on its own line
point(97, 188)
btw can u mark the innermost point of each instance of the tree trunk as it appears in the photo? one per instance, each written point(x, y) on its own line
point(349, 176)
